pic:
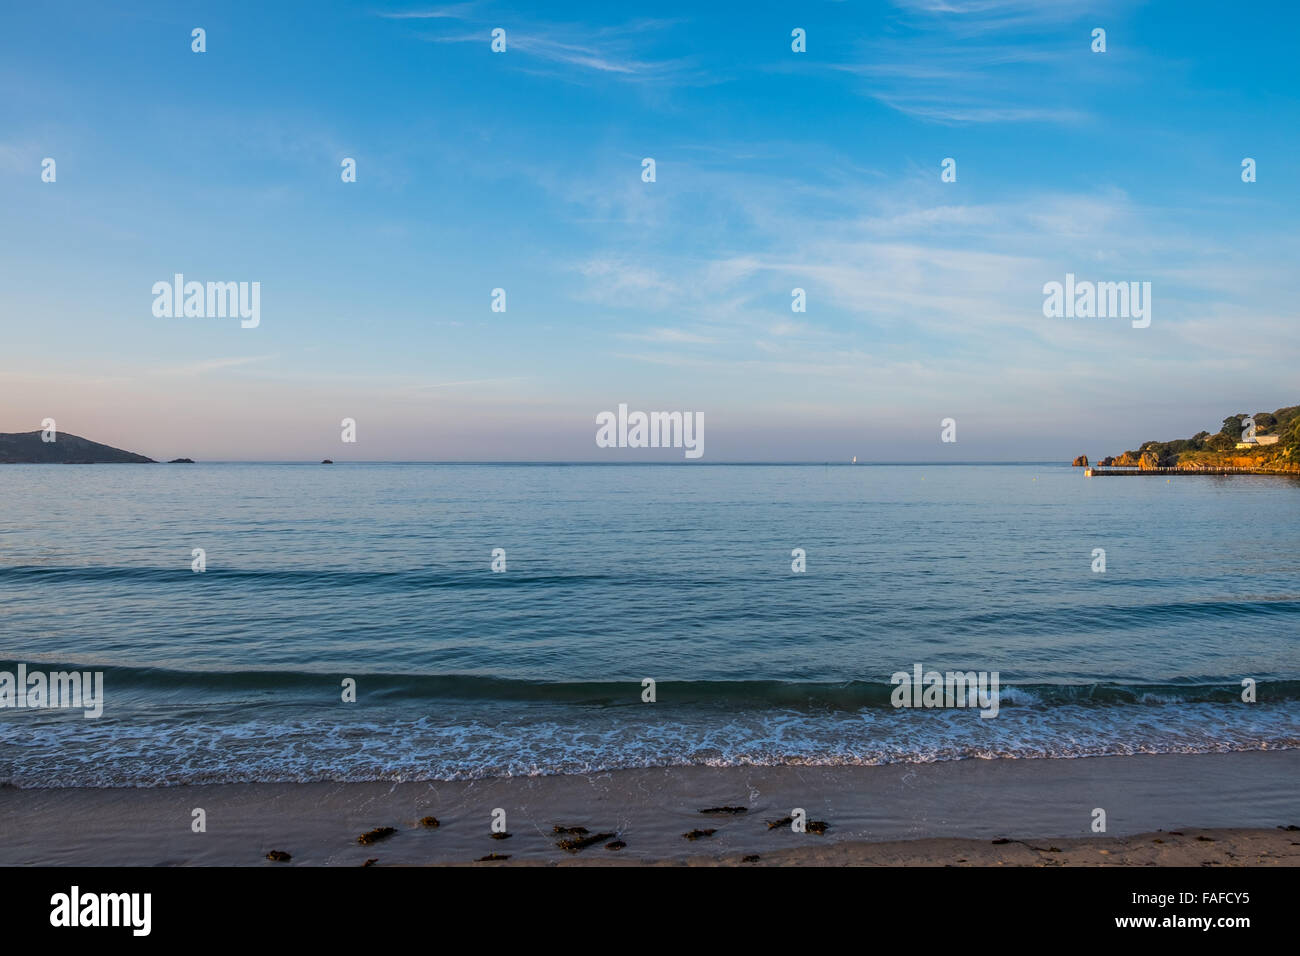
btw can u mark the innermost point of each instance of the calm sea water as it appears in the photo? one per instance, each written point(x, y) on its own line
point(680, 573)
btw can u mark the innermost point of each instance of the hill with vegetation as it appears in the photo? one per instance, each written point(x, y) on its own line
point(1219, 449)
point(27, 448)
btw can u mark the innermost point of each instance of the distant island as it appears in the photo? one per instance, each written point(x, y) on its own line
point(27, 448)
point(1274, 446)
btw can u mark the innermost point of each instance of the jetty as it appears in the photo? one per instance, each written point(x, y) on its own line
point(1096, 471)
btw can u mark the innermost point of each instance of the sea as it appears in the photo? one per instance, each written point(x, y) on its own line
point(357, 622)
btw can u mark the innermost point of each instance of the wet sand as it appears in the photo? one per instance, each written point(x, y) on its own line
point(927, 814)
point(1213, 847)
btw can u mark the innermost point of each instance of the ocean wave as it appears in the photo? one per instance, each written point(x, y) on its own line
point(834, 695)
point(285, 743)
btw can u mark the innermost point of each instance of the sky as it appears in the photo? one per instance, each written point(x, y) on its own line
point(523, 170)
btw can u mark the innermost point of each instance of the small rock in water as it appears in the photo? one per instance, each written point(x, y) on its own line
point(817, 826)
point(1000, 840)
point(378, 833)
point(750, 859)
point(430, 822)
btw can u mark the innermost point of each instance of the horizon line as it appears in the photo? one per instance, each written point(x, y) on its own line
point(573, 462)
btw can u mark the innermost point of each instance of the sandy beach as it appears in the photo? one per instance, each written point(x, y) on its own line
point(1193, 847)
point(1227, 809)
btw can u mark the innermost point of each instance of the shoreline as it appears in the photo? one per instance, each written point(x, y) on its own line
point(895, 814)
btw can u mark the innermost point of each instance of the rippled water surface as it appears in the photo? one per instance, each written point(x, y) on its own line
point(381, 573)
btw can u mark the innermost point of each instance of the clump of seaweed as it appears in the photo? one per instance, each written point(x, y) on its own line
point(581, 843)
point(372, 836)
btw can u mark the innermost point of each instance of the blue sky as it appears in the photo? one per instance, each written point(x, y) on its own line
point(522, 170)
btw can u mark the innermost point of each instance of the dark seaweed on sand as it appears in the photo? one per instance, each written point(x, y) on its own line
point(378, 833)
point(581, 843)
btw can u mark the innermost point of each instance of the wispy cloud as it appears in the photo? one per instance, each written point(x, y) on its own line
point(990, 16)
point(670, 335)
point(622, 51)
point(212, 365)
point(958, 62)
point(458, 11)
point(956, 113)
point(472, 381)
